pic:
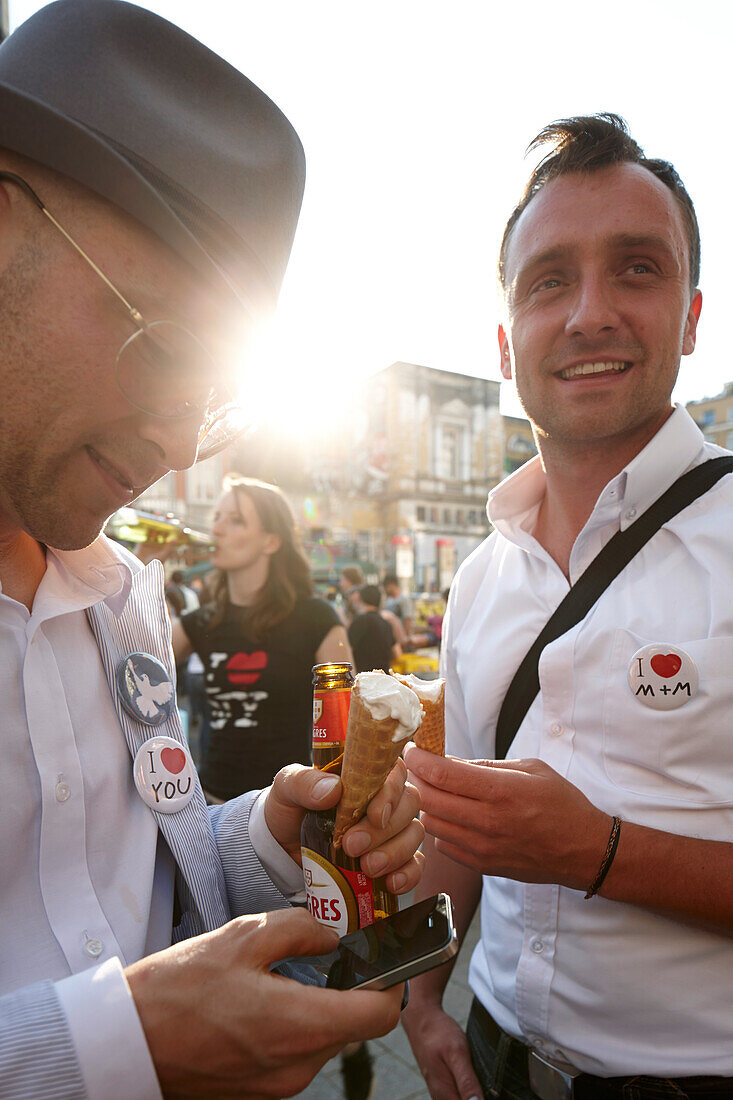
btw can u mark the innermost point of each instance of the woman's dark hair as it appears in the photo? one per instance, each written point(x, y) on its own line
point(289, 577)
point(585, 144)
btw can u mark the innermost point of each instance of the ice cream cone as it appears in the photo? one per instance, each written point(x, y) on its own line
point(430, 735)
point(370, 753)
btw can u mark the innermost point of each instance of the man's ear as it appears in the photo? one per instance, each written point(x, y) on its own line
point(505, 359)
point(693, 316)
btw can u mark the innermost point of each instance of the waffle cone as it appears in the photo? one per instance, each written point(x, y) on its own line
point(431, 734)
point(369, 756)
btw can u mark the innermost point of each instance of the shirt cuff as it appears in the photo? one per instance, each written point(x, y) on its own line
point(284, 871)
point(109, 1039)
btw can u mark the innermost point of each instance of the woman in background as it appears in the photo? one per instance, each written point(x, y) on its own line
point(258, 639)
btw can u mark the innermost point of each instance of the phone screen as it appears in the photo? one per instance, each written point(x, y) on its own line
point(381, 948)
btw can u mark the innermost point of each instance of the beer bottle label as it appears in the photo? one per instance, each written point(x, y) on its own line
point(341, 899)
point(330, 716)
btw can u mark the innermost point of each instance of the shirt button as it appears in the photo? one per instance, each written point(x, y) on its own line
point(63, 792)
point(93, 948)
point(538, 947)
point(631, 513)
point(556, 728)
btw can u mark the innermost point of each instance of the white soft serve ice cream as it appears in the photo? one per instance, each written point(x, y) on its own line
point(386, 697)
point(424, 689)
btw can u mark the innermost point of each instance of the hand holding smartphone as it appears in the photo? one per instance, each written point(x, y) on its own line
point(385, 953)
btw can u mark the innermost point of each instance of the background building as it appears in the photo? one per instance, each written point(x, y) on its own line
point(398, 482)
point(434, 449)
point(519, 444)
point(714, 416)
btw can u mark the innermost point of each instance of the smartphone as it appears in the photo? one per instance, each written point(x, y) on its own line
point(384, 953)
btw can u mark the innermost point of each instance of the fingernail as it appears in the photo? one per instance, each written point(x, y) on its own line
point(356, 843)
point(375, 862)
point(386, 814)
point(324, 786)
point(398, 881)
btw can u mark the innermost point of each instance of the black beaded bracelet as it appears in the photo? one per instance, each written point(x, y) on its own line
point(607, 859)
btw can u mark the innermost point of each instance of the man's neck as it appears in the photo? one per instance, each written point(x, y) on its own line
point(22, 564)
point(576, 476)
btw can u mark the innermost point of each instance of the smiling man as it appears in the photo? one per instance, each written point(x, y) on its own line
point(601, 849)
point(149, 195)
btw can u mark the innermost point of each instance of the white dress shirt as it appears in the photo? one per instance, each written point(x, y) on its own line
point(606, 987)
point(87, 884)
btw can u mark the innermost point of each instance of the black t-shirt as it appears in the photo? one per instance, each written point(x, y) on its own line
point(260, 693)
point(371, 640)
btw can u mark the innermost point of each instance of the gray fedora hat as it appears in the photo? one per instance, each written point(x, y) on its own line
point(143, 114)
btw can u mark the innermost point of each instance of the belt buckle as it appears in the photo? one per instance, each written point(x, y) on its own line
point(549, 1082)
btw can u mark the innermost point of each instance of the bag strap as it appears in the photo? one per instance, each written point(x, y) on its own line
point(605, 567)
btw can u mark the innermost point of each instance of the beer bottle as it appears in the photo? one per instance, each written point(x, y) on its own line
point(339, 893)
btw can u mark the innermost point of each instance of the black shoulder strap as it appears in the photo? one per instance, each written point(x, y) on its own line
point(615, 555)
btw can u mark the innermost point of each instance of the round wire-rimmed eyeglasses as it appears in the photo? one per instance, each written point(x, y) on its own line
point(162, 369)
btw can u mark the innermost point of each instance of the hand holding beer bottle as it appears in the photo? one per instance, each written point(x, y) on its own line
point(383, 845)
point(362, 746)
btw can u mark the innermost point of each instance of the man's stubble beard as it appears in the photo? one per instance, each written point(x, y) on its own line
point(29, 495)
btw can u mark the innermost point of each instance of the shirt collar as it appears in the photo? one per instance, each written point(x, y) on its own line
point(512, 506)
point(101, 567)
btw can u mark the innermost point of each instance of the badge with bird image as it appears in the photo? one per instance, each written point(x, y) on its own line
point(145, 689)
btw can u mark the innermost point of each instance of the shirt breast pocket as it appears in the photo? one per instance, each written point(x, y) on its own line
point(683, 754)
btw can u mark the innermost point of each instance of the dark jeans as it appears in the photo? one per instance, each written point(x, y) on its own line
point(502, 1070)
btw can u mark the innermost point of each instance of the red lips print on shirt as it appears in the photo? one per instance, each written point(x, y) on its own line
point(246, 668)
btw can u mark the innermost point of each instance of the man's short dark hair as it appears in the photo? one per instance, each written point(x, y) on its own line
point(353, 574)
point(390, 578)
point(587, 143)
point(177, 577)
point(370, 595)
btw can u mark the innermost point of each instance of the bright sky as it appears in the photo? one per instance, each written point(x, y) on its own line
point(415, 115)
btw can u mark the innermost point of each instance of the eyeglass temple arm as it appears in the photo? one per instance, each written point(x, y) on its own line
point(26, 187)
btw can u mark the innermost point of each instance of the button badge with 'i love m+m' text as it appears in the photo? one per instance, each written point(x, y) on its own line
point(663, 677)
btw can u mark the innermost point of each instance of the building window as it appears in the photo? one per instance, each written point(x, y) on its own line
point(729, 441)
point(434, 515)
point(447, 516)
point(460, 517)
point(707, 418)
point(451, 446)
point(420, 514)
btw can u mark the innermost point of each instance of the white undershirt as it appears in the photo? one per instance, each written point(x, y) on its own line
point(610, 988)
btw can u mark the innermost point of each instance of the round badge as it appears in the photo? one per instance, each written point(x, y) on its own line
point(145, 688)
point(164, 774)
point(663, 677)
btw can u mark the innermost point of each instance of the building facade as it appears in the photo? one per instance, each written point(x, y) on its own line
point(519, 444)
point(398, 483)
point(434, 449)
point(714, 416)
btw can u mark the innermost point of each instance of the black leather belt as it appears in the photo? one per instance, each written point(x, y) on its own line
point(552, 1082)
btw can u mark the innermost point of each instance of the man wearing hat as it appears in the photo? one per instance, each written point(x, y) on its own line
point(148, 198)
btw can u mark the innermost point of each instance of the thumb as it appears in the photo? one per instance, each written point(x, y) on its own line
point(306, 788)
point(295, 789)
point(287, 932)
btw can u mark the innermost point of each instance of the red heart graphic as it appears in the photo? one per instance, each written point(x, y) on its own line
point(666, 664)
point(245, 668)
point(173, 760)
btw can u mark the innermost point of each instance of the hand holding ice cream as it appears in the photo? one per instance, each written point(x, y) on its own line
point(383, 715)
